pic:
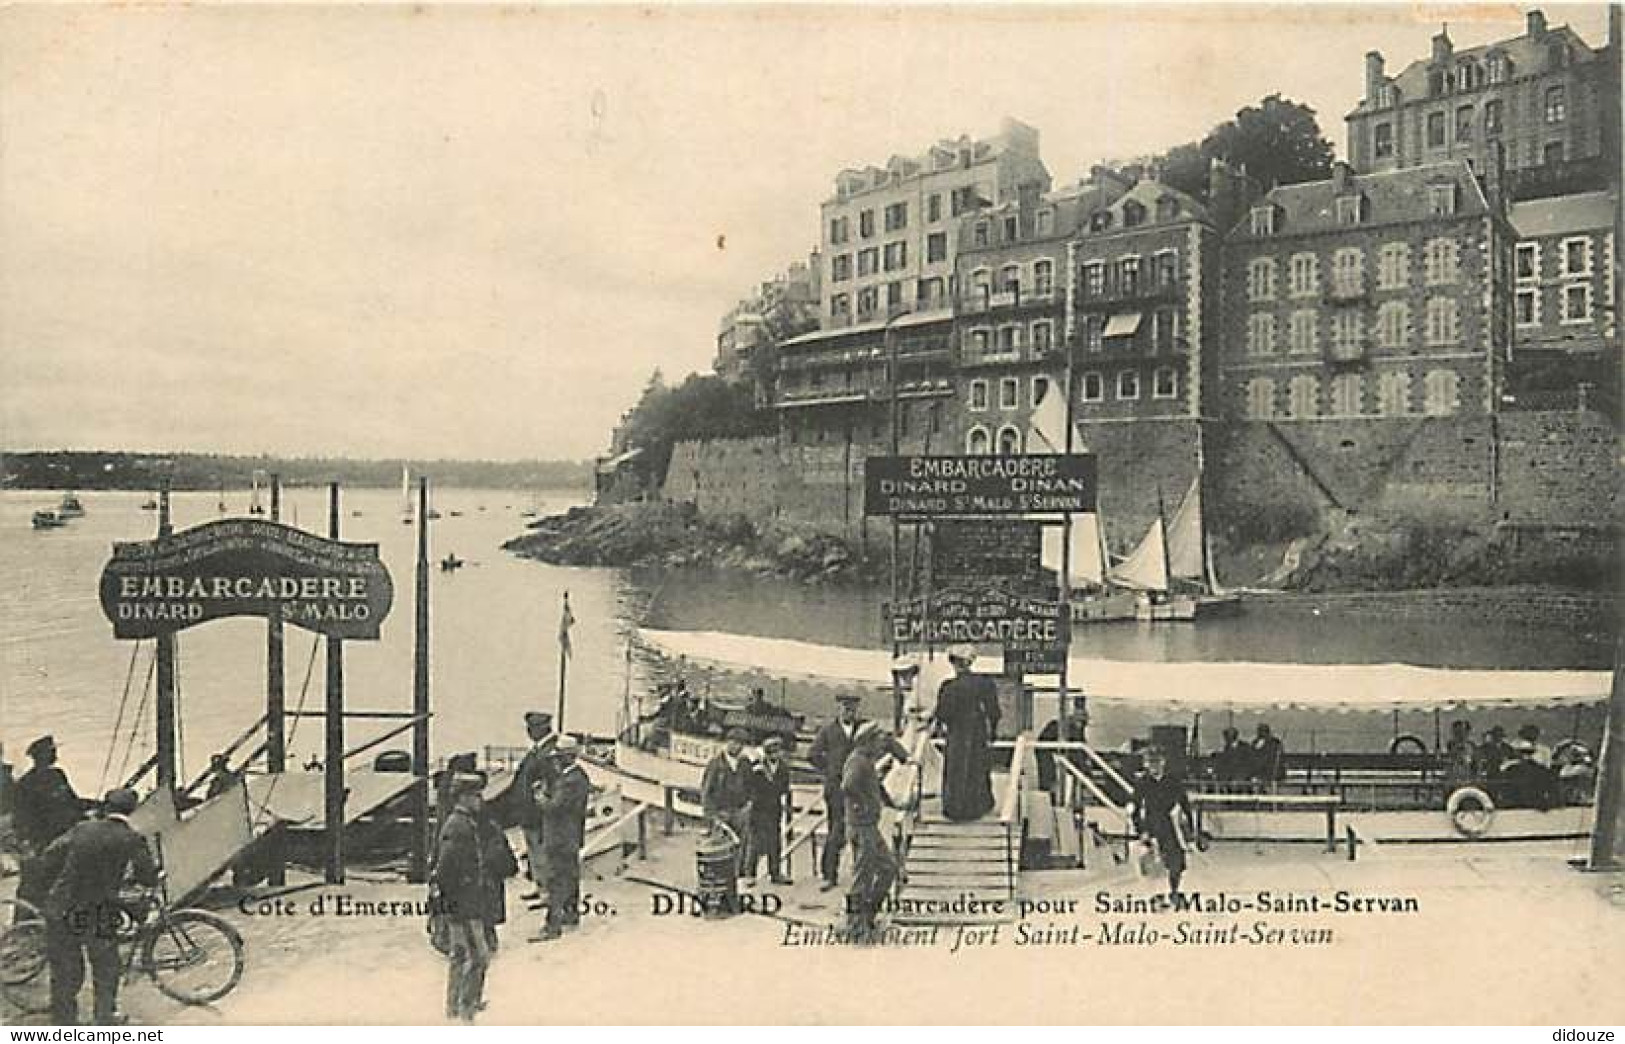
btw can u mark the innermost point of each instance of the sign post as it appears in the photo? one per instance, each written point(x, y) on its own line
point(166, 745)
point(419, 870)
point(276, 734)
point(333, 759)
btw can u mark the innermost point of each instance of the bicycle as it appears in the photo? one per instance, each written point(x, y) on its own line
point(192, 956)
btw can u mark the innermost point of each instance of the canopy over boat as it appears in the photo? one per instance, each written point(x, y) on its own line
point(1204, 686)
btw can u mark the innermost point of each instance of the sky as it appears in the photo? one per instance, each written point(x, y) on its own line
point(473, 232)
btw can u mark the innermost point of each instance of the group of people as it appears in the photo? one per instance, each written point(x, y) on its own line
point(548, 800)
point(74, 871)
point(750, 798)
point(1263, 761)
point(1521, 773)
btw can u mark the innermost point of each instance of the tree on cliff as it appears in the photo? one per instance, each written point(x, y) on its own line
point(1278, 140)
point(702, 407)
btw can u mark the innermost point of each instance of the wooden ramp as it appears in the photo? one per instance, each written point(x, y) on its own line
point(959, 873)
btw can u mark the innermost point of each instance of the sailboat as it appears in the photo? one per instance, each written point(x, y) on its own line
point(1172, 568)
point(406, 495)
point(254, 505)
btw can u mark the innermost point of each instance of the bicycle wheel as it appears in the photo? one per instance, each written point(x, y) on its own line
point(24, 978)
point(193, 956)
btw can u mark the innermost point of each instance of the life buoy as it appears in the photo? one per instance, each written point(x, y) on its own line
point(1571, 752)
point(1470, 810)
point(1407, 739)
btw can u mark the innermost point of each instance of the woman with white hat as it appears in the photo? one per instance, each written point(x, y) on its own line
point(968, 708)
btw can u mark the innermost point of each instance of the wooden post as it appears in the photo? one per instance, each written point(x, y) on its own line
point(419, 868)
point(276, 734)
point(333, 763)
point(1606, 833)
point(166, 746)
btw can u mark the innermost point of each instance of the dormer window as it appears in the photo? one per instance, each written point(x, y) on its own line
point(1133, 214)
point(1045, 222)
point(1348, 209)
point(1386, 96)
point(1167, 208)
point(1442, 199)
point(980, 234)
point(1101, 221)
point(1263, 221)
point(1497, 68)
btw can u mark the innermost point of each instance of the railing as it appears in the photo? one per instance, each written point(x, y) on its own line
point(1075, 776)
point(976, 301)
point(1145, 290)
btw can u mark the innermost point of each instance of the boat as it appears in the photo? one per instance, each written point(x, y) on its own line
point(149, 504)
point(220, 506)
point(450, 563)
point(48, 519)
point(255, 507)
point(406, 496)
point(70, 507)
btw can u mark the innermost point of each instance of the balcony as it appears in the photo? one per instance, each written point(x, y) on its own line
point(976, 302)
point(789, 398)
point(1143, 291)
point(1349, 355)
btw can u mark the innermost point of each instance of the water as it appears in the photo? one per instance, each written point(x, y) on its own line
point(495, 627)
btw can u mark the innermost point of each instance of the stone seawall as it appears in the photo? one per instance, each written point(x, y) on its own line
point(1580, 611)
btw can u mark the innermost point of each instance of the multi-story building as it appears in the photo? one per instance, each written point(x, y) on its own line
point(1563, 303)
point(1374, 295)
point(890, 233)
point(1547, 97)
point(782, 307)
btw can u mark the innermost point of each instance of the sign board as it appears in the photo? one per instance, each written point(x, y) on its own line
point(696, 750)
point(1034, 659)
point(245, 567)
point(978, 615)
point(979, 485)
point(968, 551)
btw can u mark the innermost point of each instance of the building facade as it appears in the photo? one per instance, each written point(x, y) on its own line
point(1374, 295)
point(1549, 99)
point(890, 233)
point(782, 307)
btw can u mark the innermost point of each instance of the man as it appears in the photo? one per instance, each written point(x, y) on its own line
point(1460, 755)
point(1232, 762)
point(1541, 753)
point(770, 811)
point(1525, 782)
point(460, 876)
point(531, 778)
point(1156, 796)
point(564, 829)
point(222, 777)
point(81, 873)
point(725, 792)
point(874, 866)
point(46, 805)
point(1493, 753)
point(830, 747)
point(1269, 762)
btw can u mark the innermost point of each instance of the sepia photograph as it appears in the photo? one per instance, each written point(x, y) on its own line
point(811, 514)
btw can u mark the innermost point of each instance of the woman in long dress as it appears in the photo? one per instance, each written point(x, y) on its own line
point(968, 708)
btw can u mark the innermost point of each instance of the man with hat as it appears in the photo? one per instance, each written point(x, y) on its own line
point(564, 830)
point(464, 886)
point(874, 866)
point(534, 773)
point(831, 746)
point(770, 810)
point(81, 872)
point(725, 790)
point(1158, 799)
point(46, 805)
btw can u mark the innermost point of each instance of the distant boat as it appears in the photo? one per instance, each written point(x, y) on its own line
point(70, 506)
point(456, 514)
point(149, 504)
point(406, 495)
point(450, 563)
point(48, 520)
point(221, 505)
point(534, 509)
point(254, 505)
point(1172, 568)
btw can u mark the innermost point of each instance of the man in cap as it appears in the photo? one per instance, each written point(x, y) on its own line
point(531, 778)
point(725, 790)
point(831, 746)
point(770, 811)
point(46, 805)
point(81, 872)
point(874, 867)
point(460, 876)
point(1157, 798)
point(564, 829)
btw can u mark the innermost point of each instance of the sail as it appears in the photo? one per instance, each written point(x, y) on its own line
point(1086, 564)
point(1147, 568)
point(406, 490)
point(1186, 555)
point(1046, 431)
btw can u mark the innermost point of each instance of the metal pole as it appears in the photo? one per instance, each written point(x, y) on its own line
point(890, 337)
point(333, 765)
point(1608, 834)
point(419, 867)
point(1063, 715)
point(276, 734)
point(166, 744)
point(564, 666)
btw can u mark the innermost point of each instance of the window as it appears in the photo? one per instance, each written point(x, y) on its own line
point(838, 230)
point(1348, 335)
point(1009, 393)
point(1094, 279)
point(1346, 395)
point(1094, 389)
point(1010, 278)
point(928, 292)
point(1387, 96)
point(1093, 332)
point(978, 344)
point(840, 267)
point(1260, 334)
point(1304, 332)
point(1043, 277)
point(1348, 272)
point(1263, 221)
point(1260, 398)
point(933, 207)
point(1165, 268)
point(896, 256)
point(1009, 340)
point(1133, 214)
point(979, 235)
point(1045, 222)
point(1443, 261)
point(1576, 256)
point(1382, 140)
point(1163, 325)
point(1040, 388)
point(936, 247)
point(1303, 396)
point(1442, 199)
point(1165, 383)
point(1394, 394)
point(976, 442)
point(1492, 117)
point(1497, 68)
point(1557, 104)
point(896, 217)
point(866, 224)
point(978, 394)
point(1100, 221)
point(1394, 325)
point(1128, 384)
point(1348, 209)
point(1526, 307)
point(1577, 303)
point(868, 301)
point(1464, 123)
point(1443, 323)
point(1305, 275)
point(840, 306)
point(894, 294)
point(1043, 337)
point(868, 261)
point(964, 198)
point(1009, 441)
point(1436, 81)
point(1012, 229)
point(1436, 128)
point(981, 282)
point(1526, 261)
point(1552, 153)
point(1261, 279)
point(1393, 266)
point(1441, 393)
point(1128, 275)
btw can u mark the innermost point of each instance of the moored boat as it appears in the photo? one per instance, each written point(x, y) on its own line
point(70, 507)
point(48, 519)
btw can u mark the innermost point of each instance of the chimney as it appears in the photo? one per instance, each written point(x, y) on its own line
point(1494, 179)
point(1442, 48)
point(1027, 196)
point(1373, 75)
point(1536, 20)
point(1341, 172)
point(1228, 193)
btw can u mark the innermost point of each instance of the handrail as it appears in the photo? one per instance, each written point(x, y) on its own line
point(391, 734)
point(1106, 766)
point(1094, 788)
point(1012, 795)
point(231, 748)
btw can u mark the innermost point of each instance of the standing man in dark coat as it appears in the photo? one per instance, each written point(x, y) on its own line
point(82, 871)
point(770, 811)
point(460, 875)
point(1156, 798)
point(46, 805)
point(725, 793)
point(535, 771)
point(828, 754)
point(564, 829)
point(1269, 760)
point(874, 866)
point(968, 707)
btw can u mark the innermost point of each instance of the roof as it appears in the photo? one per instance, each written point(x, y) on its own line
point(1390, 197)
point(1148, 193)
point(1563, 215)
point(1527, 54)
point(907, 320)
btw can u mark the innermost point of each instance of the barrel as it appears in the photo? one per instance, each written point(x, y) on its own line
point(716, 864)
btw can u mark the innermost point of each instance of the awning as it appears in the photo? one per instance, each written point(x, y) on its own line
point(1237, 686)
point(1124, 324)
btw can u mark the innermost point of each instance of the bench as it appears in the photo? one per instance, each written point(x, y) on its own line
point(1329, 803)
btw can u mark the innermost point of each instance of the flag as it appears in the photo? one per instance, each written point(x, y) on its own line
point(566, 621)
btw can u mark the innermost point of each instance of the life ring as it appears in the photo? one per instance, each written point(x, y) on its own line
point(1407, 740)
point(1571, 751)
point(1475, 818)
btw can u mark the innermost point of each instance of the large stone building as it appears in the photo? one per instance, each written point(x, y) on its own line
point(1369, 295)
point(782, 307)
point(1548, 98)
point(890, 233)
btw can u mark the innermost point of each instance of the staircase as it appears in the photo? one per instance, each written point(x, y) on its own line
point(950, 862)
